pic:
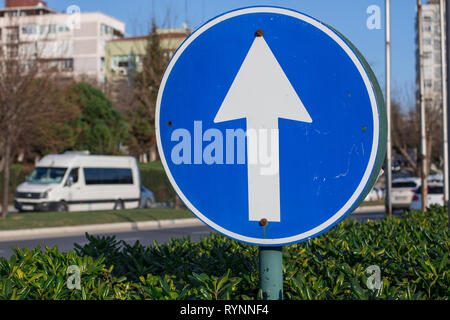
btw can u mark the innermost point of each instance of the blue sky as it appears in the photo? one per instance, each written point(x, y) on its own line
point(347, 16)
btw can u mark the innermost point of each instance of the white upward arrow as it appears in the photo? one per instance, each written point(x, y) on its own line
point(262, 93)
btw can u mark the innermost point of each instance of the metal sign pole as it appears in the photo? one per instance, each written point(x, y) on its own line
point(445, 81)
point(388, 167)
point(423, 138)
point(271, 272)
point(444, 100)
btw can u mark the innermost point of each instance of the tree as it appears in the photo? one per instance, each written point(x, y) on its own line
point(146, 85)
point(141, 130)
point(406, 134)
point(99, 127)
point(26, 92)
point(434, 133)
point(53, 133)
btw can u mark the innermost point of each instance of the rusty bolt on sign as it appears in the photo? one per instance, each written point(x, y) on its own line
point(263, 222)
point(259, 33)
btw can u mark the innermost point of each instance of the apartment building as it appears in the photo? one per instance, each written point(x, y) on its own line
point(72, 41)
point(431, 37)
point(124, 57)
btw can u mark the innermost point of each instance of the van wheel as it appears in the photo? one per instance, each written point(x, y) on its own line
point(62, 207)
point(119, 205)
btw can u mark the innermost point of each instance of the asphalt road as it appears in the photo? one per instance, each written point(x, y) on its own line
point(148, 236)
point(372, 215)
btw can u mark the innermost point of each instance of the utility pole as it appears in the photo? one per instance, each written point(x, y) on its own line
point(423, 136)
point(447, 58)
point(444, 101)
point(388, 166)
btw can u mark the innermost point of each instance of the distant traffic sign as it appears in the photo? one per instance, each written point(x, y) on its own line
point(270, 125)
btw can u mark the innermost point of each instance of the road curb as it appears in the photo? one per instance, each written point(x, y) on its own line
point(365, 209)
point(40, 233)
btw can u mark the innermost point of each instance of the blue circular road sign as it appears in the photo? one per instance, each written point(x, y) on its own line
point(270, 125)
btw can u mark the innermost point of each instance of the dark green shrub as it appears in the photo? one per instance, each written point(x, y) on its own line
point(412, 253)
point(34, 275)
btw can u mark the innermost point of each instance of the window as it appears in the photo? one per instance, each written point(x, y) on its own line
point(66, 65)
point(121, 61)
point(404, 185)
point(12, 50)
point(427, 28)
point(428, 83)
point(426, 42)
point(96, 176)
point(105, 29)
point(432, 190)
point(30, 29)
point(427, 18)
point(47, 175)
point(12, 33)
point(437, 45)
point(437, 86)
point(28, 65)
point(437, 72)
point(73, 176)
point(47, 29)
point(63, 28)
point(435, 190)
point(437, 58)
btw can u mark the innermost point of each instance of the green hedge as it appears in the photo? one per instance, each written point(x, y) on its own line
point(152, 175)
point(154, 178)
point(18, 174)
point(411, 252)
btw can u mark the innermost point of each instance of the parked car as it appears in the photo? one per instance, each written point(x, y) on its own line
point(80, 182)
point(403, 190)
point(147, 198)
point(375, 194)
point(435, 178)
point(435, 196)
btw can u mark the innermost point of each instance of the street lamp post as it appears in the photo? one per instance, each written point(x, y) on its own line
point(388, 167)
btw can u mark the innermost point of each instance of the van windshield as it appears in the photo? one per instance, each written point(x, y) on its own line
point(47, 175)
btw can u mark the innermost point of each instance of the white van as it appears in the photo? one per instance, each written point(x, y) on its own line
point(80, 182)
